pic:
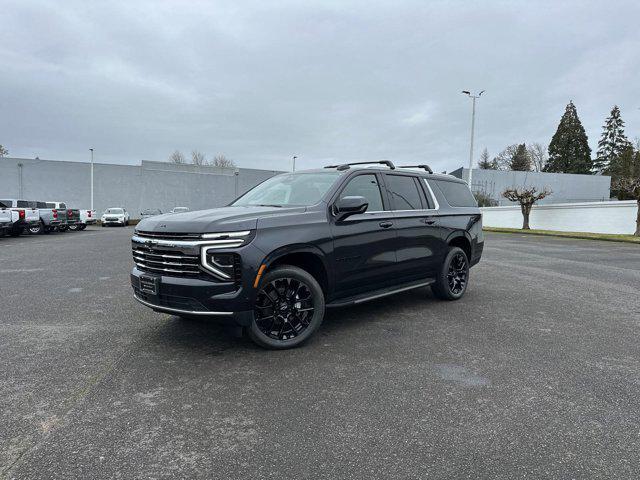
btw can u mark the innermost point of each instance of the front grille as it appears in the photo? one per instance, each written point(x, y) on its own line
point(166, 262)
point(169, 235)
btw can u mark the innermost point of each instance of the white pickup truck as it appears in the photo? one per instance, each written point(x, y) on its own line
point(87, 217)
point(23, 216)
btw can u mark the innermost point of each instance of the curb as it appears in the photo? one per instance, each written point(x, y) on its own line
point(578, 235)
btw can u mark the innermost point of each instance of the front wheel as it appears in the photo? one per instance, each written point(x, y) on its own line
point(289, 308)
point(453, 279)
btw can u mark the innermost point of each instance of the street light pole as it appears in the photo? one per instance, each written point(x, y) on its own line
point(294, 163)
point(91, 149)
point(473, 127)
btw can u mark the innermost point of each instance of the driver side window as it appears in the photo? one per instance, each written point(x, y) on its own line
point(365, 186)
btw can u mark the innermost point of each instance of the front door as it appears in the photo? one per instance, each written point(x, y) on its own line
point(364, 244)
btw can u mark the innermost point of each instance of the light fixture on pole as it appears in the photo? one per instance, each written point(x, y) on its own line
point(473, 125)
point(294, 163)
point(91, 150)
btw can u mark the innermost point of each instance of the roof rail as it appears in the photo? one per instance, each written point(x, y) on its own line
point(346, 166)
point(425, 167)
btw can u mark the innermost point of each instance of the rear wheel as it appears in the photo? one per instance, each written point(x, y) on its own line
point(453, 278)
point(289, 308)
point(37, 229)
point(73, 228)
point(82, 227)
point(63, 228)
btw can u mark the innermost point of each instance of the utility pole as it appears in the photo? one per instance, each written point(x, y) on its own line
point(294, 163)
point(473, 127)
point(91, 149)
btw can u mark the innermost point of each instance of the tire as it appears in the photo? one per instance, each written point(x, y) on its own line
point(102, 225)
point(15, 232)
point(37, 230)
point(63, 228)
point(81, 227)
point(289, 308)
point(126, 223)
point(453, 279)
point(73, 228)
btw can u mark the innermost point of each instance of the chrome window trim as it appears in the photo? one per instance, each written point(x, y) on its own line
point(433, 197)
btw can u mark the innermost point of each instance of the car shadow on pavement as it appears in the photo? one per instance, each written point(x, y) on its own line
point(212, 337)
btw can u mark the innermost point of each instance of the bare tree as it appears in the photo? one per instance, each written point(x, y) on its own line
point(504, 158)
point(176, 157)
point(221, 160)
point(631, 188)
point(538, 155)
point(3, 151)
point(198, 158)
point(526, 197)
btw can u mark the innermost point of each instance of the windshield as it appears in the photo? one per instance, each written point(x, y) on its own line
point(113, 210)
point(290, 189)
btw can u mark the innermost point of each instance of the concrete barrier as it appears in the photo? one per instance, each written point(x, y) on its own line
point(595, 217)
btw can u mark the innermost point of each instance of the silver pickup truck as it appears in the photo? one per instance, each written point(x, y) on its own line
point(25, 216)
point(50, 219)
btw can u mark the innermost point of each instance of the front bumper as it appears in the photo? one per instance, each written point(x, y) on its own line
point(192, 297)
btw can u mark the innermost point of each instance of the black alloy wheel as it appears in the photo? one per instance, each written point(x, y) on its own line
point(289, 307)
point(458, 273)
point(453, 279)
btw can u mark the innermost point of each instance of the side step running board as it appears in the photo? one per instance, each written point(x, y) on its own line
point(355, 300)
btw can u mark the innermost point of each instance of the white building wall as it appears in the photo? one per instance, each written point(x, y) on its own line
point(595, 217)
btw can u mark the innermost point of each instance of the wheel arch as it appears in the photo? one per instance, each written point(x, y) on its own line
point(462, 240)
point(308, 257)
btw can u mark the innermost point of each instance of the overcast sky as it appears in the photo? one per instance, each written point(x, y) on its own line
point(326, 80)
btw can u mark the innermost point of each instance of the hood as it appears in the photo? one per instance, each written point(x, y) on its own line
point(225, 219)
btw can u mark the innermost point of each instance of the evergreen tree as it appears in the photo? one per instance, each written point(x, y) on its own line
point(569, 150)
point(520, 161)
point(612, 145)
point(485, 163)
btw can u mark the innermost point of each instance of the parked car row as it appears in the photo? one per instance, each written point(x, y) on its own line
point(37, 217)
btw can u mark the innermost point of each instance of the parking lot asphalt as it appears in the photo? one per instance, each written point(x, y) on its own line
point(535, 373)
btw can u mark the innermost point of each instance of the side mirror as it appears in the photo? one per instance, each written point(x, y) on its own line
point(347, 206)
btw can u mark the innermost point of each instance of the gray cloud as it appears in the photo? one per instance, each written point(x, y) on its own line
point(261, 81)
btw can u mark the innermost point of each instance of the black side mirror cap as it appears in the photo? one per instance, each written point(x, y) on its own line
point(352, 205)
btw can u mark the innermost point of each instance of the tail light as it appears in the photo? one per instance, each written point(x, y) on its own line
point(21, 214)
point(70, 213)
point(55, 213)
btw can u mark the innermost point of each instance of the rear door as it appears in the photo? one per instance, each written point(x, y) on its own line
point(364, 244)
point(420, 245)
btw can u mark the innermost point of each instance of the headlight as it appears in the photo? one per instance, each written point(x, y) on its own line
point(223, 265)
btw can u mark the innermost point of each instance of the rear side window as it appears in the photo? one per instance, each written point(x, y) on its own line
point(23, 204)
point(365, 186)
point(50, 205)
point(404, 192)
point(5, 203)
point(456, 193)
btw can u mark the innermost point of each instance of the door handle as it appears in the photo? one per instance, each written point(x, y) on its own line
point(429, 221)
point(386, 224)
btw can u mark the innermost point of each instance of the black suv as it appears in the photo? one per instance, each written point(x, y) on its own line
point(298, 243)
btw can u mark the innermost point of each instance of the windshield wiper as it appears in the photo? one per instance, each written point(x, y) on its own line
point(267, 205)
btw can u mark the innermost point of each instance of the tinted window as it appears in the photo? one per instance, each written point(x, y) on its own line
point(22, 204)
point(50, 205)
point(41, 205)
point(457, 194)
point(5, 203)
point(404, 192)
point(63, 205)
point(365, 186)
